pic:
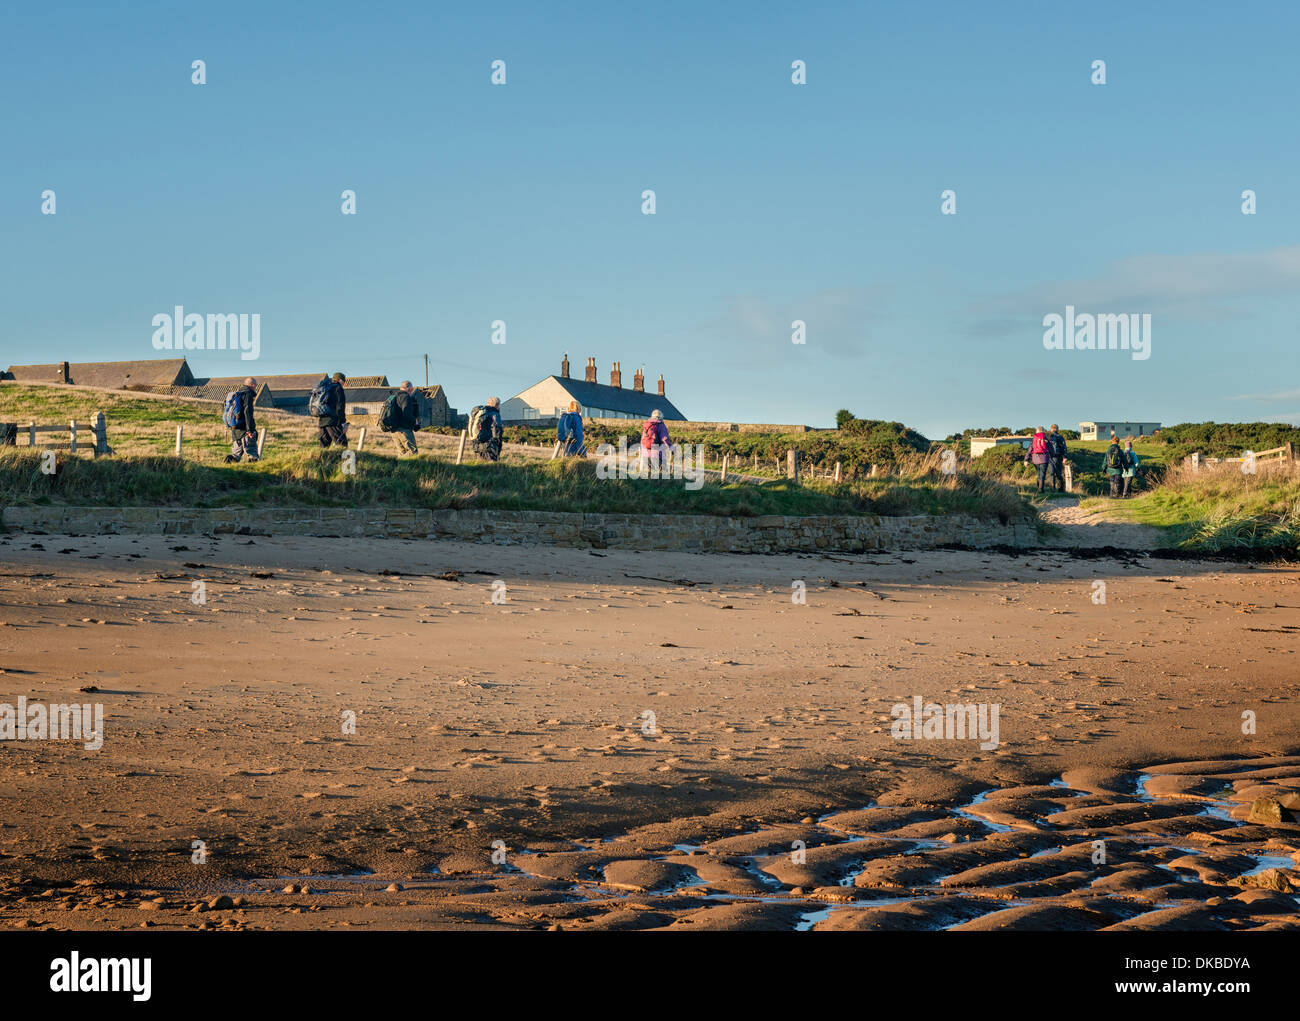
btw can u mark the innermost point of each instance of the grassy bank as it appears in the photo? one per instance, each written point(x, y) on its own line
point(1219, 510)
point(316, 478)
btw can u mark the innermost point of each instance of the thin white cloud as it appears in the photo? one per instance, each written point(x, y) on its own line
point(1199, 286)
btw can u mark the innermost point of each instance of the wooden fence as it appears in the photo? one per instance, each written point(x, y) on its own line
point(92, 435)
point(1275, 456)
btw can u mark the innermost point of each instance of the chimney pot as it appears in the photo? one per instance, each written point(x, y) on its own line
point(661, 384)
point(564, 366)
point(591, 370)
point(616, 377)
point(638, 381)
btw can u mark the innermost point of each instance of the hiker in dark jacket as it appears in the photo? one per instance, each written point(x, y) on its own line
point(1037, 453)
point(1115, 462)
point(487, 440)
point(568, 431)
point(334, 423)
point(1130, 470)
point(404, 420)
point(1056, 453)
point(243, 437)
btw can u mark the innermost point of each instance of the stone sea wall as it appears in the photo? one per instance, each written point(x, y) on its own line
point(767, 534)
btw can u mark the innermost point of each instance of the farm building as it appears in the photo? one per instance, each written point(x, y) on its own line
point(1102, 430)
point(550, 398)
point(172, 377)
point(107, 375)
point(979, 444)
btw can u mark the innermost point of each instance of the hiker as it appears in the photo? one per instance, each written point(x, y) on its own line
point(1056, 454)
point(1037, 453)
point(238, 416)
point(329, 404)
point(401, 417)
point(1130, 469)
point(1114, 461)
point(485, 429)
point(568, 432)
point(655, 443)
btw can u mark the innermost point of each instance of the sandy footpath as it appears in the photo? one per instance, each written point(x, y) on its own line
point(765, 790)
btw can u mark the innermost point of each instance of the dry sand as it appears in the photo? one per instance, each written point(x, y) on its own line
point(524, 722)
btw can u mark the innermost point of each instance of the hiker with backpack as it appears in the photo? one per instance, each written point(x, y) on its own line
point(655, 443)
point(1115, 462)
point(401, 417)
point(329, 405)
point(485, 429)
point(1056, 454)
point(568, 431)
point(237, 414)
point(1038, 455)
point(1129, 471)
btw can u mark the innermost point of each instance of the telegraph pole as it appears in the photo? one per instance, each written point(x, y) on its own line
point(426, 372)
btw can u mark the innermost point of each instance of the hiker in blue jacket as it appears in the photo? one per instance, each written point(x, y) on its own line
point(243, 427)
point(1056, 452)
point(568, 431)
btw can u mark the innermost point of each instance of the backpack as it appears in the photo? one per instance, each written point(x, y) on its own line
point(233, 411)
point(390, 417)
point(649, 434)
point(321, 402)
point(479, 424)
point(1115, 457)
point(1039, 445)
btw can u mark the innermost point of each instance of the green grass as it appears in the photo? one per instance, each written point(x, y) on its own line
point(315, 478)
point(1219, 510)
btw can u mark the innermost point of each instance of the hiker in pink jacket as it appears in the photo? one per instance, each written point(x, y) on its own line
point(655, 443)
point(1037, 453)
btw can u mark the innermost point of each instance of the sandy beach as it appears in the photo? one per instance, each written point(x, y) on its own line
point(641, 741)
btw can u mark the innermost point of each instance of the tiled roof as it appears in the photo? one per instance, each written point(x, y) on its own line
point(110, 375)
point(614, 398)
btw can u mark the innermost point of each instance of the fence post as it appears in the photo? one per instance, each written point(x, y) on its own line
point(724, 468)
point(460, 454)
point(1196, 460)
point(837, 471)
point(101, 434)
point(72, 434)
point(31, 434)
point(1069, 478)
point(180, 432)
point(361, 439)
point(1290, 452)
point(792, 464)
point(261, 441)
point(556, 452)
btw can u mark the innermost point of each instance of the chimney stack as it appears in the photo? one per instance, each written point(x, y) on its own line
point(661, 384)
point(616, 377)
point(591, 370)
point(564, 366)
point(638, 381)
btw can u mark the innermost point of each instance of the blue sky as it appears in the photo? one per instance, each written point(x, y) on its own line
point(775, 202)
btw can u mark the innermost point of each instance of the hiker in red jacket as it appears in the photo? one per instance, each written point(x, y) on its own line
point(1038, 455)
point(655, 443)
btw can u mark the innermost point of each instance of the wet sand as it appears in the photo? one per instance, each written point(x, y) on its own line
point(524, 722)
